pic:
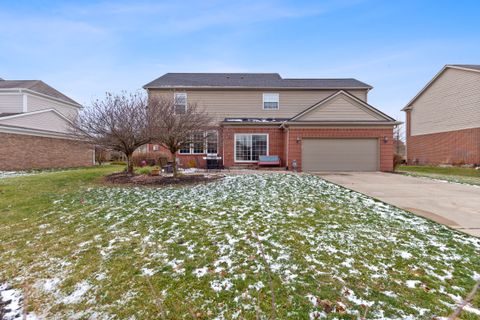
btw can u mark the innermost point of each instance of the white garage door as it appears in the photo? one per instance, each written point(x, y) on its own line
point(340, 154)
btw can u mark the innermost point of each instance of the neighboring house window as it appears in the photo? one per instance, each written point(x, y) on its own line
point(180, 102)
point(155, 147)
point(248, 147)
point(271, 101)
point(200, 143)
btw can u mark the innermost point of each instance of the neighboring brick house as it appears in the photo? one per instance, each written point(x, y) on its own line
point(319, 124)
point(443, 119)
point(34, 134)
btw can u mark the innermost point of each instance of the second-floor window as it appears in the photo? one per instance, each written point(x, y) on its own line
point(270, 101)
point(180, 102)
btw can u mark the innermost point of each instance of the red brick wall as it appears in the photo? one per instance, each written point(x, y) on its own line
point(278, 139)
point(25, 152)
point(452, 147)
point(386, 149)
point(275, 142)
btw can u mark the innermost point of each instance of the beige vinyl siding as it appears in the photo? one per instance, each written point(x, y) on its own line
point(248, 103)
point(43, 121)
point(341, 108)
point(11, 102)
point(35, 103)
point(452, 102)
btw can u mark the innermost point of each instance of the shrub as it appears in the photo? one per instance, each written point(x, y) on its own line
point(118, 163)
point(397, 160)
point(144, 170)
point(191, 163)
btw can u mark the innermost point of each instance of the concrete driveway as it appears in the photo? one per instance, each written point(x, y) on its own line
point(455, 205)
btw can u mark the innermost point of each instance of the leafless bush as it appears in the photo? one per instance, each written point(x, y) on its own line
point(172, 129)
point(118, 122)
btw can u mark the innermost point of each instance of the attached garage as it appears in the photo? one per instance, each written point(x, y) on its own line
point(342, 154)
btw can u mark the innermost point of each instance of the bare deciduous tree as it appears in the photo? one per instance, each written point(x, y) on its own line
point(118, 122)
point(174, 129)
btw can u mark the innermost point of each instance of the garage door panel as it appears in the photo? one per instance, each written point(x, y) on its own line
point(340, 154)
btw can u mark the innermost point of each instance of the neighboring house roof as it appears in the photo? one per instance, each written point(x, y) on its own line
point(37, 86)
point(467, 67)
point(383, 116)
point(250, 80)
point(7, 114)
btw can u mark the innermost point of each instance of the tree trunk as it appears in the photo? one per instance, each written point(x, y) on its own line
point(129, 164)
point(174, 165)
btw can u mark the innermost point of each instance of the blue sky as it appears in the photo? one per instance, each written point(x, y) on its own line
point(85, 48)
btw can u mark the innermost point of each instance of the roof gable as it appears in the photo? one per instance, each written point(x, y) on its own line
point(466, 67)
point(341, 106)
point(36, 86)
point(47, 119)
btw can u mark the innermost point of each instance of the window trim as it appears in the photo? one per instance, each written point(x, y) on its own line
point(248, 134)
point(175, 101)
point(278, 101)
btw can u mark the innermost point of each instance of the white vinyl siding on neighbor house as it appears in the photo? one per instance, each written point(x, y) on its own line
point(48, 121)
point(11, 102)
point(223, 104)
point(271, 101)
point(35, 103)
point(451, 102)
point(248, 147)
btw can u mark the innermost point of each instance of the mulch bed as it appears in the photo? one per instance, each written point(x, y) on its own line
point(147, 180)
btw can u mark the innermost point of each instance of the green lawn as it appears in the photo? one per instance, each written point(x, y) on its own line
point(215, 251)
point(451, 174)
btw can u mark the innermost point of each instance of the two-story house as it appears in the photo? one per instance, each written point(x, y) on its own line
point(313, 124)
point(34, 128)
point(443, 119)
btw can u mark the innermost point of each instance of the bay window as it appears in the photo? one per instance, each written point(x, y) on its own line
point(248, 147)
point(200, 143)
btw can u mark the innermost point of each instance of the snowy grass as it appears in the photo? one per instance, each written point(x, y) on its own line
point(195, 252)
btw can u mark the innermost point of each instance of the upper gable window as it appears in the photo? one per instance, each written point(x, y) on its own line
point(271, 101)
point(180, 102)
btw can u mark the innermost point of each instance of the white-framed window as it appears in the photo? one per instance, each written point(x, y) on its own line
point(155, 147)
point(271, 101)
point(201, 142)
point(180, 101)
point(248, 147)
point(212, 142)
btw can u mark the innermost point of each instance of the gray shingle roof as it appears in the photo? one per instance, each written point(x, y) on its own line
point(37, 86)
point(467, 66)
point(249, 80)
